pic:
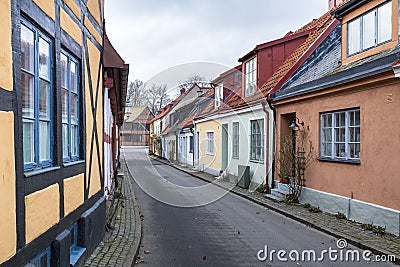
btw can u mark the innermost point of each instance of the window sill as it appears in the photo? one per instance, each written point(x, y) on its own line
point(235, 157)
point(72, 163)
point(40, 171)
point(257, 161)
point(75, 255)
point(209, 154)
point(348, 161)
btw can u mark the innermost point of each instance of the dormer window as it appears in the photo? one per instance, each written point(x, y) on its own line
point(370, 29)
point(219, 95)
point(250, 82)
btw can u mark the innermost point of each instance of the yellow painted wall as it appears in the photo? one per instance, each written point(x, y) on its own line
point(93, 31)
point(68, 25)
point(74, 7)
point(94, 59)
point(6, 78)
point(210, 161)
point(93, 6)
point(42, 211)
point(73, 193)
point(8, 237)
point(47, 7)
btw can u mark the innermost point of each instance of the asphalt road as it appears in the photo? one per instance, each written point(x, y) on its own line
point(229, 231)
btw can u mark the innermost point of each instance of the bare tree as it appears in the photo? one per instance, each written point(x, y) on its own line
point(194, 79)
point(156, 97)
point(295, 155)
point(136, 90)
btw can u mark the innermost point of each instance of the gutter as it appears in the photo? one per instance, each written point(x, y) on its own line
point(271, 142)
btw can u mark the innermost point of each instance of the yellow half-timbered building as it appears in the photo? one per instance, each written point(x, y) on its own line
point(51, 115)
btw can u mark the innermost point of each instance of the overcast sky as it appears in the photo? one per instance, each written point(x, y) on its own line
point(154, 35)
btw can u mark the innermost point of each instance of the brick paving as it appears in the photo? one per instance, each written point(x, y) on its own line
point(386, 244)
point(120, 245)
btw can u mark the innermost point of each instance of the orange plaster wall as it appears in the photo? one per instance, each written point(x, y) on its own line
point(375, 180)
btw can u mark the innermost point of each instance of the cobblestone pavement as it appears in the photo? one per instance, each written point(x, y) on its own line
point(120, 245)
point(386, 244)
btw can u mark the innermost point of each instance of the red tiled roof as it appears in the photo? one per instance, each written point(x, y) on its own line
point(323, 26)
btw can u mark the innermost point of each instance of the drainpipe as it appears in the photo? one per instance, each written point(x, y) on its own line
point(271, 114)
point(192, 131)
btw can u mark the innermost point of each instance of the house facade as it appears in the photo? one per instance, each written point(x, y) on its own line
point(115, 87)
point(346, 99)
point(51, 112)
point(136, 130)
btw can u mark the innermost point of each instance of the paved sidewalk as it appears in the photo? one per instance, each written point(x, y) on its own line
point(386, 244)
point(120, 244)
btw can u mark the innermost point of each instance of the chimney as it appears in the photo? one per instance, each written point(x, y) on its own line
point(182, 90)
point(334, 3)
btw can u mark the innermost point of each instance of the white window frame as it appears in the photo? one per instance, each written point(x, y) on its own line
point(361, 47)
point(210, 146)
point(334, 130)
point(250, 78)
point(253, 141)
point(235, 140)
point(218, 95)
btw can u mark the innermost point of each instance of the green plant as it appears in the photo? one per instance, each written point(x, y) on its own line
point(340, 216)
point(307, 205)
point(261, 188)
point(379, 230)
point(374, 228)
point(314, 209)
point(367, 226)
point(290, 199)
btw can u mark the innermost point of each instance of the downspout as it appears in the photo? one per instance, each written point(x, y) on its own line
point(192, 131)
point(271, 114)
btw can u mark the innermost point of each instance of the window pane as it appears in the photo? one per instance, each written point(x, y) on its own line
point(27, 96)
point(65, 140)
point(74, 140)
point(352, 150)
point(353, 34)
point(44, 100)
point(351, 135)
point(64, 101)
point(28, 141)
point(74, 109)
point(43, 261)
point(44, 59)
point(74, 77)
point(27, 48)
point(357, 134)
point(64, 70)
point(357, 117)
point(44, 140)
point(357, 151)
point(369, 30)
point(340, 150)
point(385, 23)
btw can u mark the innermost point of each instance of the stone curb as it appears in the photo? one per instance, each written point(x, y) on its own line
point(138, 223)
point(351, 240)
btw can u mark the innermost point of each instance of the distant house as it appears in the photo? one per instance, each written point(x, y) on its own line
point(347, 93)
point(173, 146)
point(136, 130)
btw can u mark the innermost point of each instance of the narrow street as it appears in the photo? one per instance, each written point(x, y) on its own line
point(226, 232)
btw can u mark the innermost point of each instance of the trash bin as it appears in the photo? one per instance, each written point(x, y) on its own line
point(243, 176)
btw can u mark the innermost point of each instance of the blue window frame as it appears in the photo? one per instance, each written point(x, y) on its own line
point(37, 106)
point(370, 30)
point(75, 252)
point(42, 259)
point(70, 107)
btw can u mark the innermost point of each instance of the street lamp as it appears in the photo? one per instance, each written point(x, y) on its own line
point(294, 126)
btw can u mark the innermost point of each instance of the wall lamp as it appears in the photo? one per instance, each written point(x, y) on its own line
point(294, 125)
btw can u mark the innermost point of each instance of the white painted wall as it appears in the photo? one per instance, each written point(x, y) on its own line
point(258, 170)
point(108, 160)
